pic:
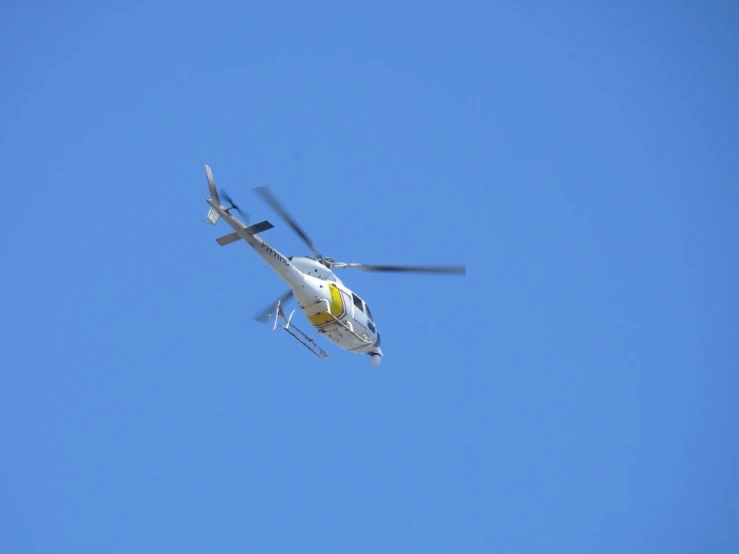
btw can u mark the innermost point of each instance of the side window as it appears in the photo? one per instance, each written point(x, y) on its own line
point(358, 302)
point(370, 322)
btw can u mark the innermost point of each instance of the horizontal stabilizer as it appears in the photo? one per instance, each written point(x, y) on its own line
point(260, 227)
point(253, 230)
point(228, 239)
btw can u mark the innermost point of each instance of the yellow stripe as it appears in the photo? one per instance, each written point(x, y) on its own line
point(337, 308)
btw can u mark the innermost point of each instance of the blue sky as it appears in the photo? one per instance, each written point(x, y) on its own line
point(575, 392)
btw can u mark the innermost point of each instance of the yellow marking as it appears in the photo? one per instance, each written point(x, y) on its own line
point(337, 308)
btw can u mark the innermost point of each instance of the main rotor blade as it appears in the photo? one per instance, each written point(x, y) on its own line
point(263, 316)
point(277, 206)
point(437, 269)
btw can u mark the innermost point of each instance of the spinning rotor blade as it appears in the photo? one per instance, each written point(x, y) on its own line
point(277, 206)
point(263, 316)
point(233, 206)
point(437, 269)
point(227, 197)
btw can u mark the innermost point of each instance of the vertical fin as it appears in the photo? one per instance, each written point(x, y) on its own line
point(213, 216)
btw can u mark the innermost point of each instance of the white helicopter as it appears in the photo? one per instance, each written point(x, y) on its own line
point(334, 310)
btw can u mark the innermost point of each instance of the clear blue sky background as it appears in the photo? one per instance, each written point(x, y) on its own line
point(576, 392)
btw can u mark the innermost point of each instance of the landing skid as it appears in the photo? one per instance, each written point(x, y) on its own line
point(296, 333)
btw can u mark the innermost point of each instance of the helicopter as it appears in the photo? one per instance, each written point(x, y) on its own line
point(334, 310)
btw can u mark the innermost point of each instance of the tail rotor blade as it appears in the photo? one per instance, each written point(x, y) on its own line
point(227, 198)
point(243, 214)
point(234, 206)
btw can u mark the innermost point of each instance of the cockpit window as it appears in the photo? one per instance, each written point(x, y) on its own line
point(358, 302)
point(369, 314)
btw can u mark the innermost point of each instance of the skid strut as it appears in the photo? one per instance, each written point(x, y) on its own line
point(296, 333)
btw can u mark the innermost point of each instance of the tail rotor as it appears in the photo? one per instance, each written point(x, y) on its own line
point(213, 215)
point(234, 206)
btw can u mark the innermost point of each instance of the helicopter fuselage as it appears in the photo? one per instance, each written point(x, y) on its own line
point(333, 309)
point(337, 312)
